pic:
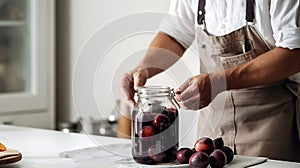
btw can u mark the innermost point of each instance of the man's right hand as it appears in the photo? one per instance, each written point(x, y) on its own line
point(130, 82)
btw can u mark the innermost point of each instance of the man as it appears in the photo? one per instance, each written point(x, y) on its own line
point(248, 50)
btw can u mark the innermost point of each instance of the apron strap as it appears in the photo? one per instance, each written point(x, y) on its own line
point(249, 11)
point(201, 11)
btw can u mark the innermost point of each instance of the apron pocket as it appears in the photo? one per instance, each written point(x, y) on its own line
point(237, 60)
point(235, 48)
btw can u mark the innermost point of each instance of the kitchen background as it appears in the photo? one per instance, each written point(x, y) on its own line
point(40, 44)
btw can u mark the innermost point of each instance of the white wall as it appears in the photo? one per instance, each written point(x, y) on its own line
point(78, 21)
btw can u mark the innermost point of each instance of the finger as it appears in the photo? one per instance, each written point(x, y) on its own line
point(129, 102)
point(176, 91)
point(126, 89)
point(139, 79)
point(177, 98)
point(128, 97)
point(191, 104)
point(189, 92)
point(181, 88)
point(195, 103)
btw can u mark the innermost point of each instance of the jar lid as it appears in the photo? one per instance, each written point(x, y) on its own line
point(154, 91)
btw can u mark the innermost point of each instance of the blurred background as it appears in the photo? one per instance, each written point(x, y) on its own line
point(41, 44)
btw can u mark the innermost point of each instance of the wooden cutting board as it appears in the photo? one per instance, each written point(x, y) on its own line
point(10, 156)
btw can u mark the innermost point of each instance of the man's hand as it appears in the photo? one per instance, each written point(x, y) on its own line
point(129, 84)
point(195, 93)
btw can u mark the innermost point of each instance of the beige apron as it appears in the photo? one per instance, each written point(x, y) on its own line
point(258, 121)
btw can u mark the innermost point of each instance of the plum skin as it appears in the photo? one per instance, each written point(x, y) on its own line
point(147, 132)
point(183, 155)
point(218, 143)
point(171, 113)
point(199, 160)
point(157, 154)
point(171, 152)
point(217, 159)
point(204, 144)
point(147, 119)
point(144, 160)
point(229, 153)
point(161, 122)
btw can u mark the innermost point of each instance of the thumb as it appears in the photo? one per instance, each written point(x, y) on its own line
point(139, 79)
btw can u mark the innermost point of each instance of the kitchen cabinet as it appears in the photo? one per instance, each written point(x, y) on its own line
point(27, 62)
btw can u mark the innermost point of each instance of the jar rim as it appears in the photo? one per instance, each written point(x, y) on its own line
point(154, 91)
point(153, 87)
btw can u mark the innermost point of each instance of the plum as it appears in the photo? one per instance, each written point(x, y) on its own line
point(217, 159)
point(171, 113)
point(147, 119)
point(229, 153)
point(147, 131)
point(199, 160)
point(161, 122)
point(171, 152)
point(204, 144)
point(157, 154)
point(183, 155)
point(218, 143)
point(144, 160)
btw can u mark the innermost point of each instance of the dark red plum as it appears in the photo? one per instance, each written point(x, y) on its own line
point(147, 131)
point(199, 160)
point(171, 113)
point(183, 155)
point(144, 160)
point(218, 143)
point(172, 153)
point(229, 153)
point(160, 158)
point(157, 155)
point(147, 119)
point(217, 159)
point(204, 144)
point(161, 122)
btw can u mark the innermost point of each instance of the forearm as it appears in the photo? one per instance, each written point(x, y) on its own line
point(163, 52)
point(268, 68)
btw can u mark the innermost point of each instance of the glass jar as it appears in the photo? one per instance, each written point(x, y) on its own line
point(155, 126)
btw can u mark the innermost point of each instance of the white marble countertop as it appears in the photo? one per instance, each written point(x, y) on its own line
point(40, 148)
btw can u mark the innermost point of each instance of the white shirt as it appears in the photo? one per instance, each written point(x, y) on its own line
point(276, 20)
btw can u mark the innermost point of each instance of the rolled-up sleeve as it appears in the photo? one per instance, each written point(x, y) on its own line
point(285, 20)
point(179, 23)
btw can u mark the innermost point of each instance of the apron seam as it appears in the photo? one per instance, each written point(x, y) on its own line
point(234, 123)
